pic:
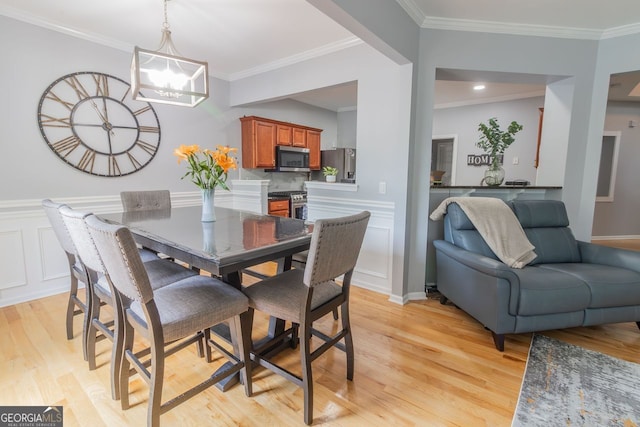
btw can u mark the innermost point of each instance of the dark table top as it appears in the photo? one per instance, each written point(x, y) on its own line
point(236, 240)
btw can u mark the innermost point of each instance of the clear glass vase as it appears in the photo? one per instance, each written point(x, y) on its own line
point(494, 176)
point(208, 207)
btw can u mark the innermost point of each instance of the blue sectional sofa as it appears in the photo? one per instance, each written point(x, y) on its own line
point(570, 283)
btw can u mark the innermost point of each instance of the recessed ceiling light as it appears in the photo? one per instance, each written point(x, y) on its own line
point(479, 87)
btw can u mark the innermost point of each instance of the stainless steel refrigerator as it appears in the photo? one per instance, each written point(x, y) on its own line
point(344, 159)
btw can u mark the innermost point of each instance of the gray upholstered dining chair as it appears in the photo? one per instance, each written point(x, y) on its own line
point(76, 271)
point(161, 273)
point(304, 296)
point(177, 315)
point(145, 200)
point(299, 260)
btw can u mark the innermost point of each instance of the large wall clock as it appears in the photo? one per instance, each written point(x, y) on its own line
point(90, 121)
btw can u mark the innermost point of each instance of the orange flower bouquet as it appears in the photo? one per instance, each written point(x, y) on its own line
point(210, 170)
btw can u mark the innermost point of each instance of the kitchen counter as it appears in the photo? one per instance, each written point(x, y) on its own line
point(500, 187)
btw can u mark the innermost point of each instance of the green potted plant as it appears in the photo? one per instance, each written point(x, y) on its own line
point(494, 141)
point(330, 173)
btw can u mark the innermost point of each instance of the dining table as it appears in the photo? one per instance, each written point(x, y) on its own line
point(235, 241)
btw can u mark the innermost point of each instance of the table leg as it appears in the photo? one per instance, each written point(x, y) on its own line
point(276, 326)
point(227, 332)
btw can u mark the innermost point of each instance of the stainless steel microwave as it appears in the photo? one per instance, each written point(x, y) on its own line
point(292, 159)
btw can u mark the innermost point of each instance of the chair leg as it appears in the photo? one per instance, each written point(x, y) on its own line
point(71, 304)
point(348, 341)
point(207, 349)
point(200, 347)
point(307, 377)
point(155, 383)
point(335, 314)
point(117, 351)
point(94, 313)
point(86, 318)
point(125, 365)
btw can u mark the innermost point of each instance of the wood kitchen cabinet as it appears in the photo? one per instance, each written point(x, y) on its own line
point(258, 143)
point(313, 144)
point(279, 207)
point(284, 135)
point(299, 137)
point(260, 137)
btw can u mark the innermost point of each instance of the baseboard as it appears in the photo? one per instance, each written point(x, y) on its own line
point(627, 237)
point(412, 296)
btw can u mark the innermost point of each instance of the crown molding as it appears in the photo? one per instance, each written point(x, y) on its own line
point(300, 57)
point(503, 98)
point(623, 30)
point(432, 22)
point(510, 28)
point(413, 11)
point(40, 22)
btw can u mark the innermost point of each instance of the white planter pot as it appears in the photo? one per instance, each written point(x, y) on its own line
point(331, 178)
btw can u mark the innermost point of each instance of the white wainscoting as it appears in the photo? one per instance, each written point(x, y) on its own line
point(375, 262)
point(32, 263)
point(250, 195)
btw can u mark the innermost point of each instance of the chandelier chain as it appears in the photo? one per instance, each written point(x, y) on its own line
point(165, 25)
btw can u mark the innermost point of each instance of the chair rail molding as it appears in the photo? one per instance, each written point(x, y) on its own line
point(375, 263)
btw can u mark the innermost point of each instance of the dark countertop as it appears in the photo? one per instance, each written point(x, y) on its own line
point(500, 187)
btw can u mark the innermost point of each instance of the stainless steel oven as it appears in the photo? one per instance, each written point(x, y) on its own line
point(297, 202)
point(298, 205)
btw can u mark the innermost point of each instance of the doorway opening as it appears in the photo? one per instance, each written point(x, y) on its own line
point(444, 149)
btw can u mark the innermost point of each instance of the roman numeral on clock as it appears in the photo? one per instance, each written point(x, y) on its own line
point(149, 148)
point(62, 122)
point(66, 145)
point(77, 86)
point(102, 85)
point(87, 161)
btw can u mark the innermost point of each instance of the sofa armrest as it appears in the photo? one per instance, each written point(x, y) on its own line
point(476, 261)
point(615, 257)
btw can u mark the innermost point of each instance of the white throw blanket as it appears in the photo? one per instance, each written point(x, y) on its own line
point(498, 226)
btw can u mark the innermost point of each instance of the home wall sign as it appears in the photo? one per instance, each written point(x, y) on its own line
point(90, 121)
point(481, 159)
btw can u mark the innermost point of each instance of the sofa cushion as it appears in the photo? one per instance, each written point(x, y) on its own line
point(545, 222)
point(459, 230)
point(609, 286)
point(540, 213)
point(546, 291)
point(553, 245)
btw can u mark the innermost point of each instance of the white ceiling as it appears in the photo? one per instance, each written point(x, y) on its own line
point(240, 38)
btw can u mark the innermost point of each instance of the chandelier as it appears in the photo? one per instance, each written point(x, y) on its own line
point(167, 77)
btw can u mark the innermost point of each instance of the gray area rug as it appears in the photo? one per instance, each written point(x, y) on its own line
point(566, 385)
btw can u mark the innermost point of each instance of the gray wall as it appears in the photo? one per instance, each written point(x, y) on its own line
point(463, 122)
point(347, 129)
point(38, 172)
point(620, 217)
point(33, 58)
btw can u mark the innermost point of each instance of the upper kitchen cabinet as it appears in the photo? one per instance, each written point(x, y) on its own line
point(258, 143)
point(299, 137)
point(284, 135)
point(260, 137)
point(313, 144)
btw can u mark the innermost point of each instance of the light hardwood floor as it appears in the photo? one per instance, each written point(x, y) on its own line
point(632, 244)
point(421, 364)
